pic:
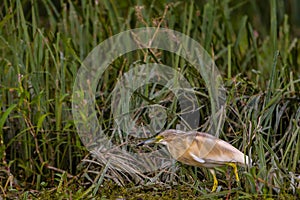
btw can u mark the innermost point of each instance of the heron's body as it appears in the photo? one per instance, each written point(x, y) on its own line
point(201, 150)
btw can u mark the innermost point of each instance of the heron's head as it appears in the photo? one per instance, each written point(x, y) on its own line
point(164, 137)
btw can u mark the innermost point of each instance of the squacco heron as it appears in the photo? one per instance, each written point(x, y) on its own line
point(201, 150)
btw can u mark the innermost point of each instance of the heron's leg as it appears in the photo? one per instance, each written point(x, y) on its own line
point(212, 171)
point(233, 165)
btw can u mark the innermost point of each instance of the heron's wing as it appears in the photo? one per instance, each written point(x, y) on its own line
point(210, 149)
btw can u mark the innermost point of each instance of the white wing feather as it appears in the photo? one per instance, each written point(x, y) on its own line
point(196, 158)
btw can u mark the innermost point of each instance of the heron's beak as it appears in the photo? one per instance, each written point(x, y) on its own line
point(149, 141)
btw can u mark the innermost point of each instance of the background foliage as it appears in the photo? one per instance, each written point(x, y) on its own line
point(42, 43)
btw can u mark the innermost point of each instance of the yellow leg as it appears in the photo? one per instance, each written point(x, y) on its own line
point(212, 171)
point(233, 165)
